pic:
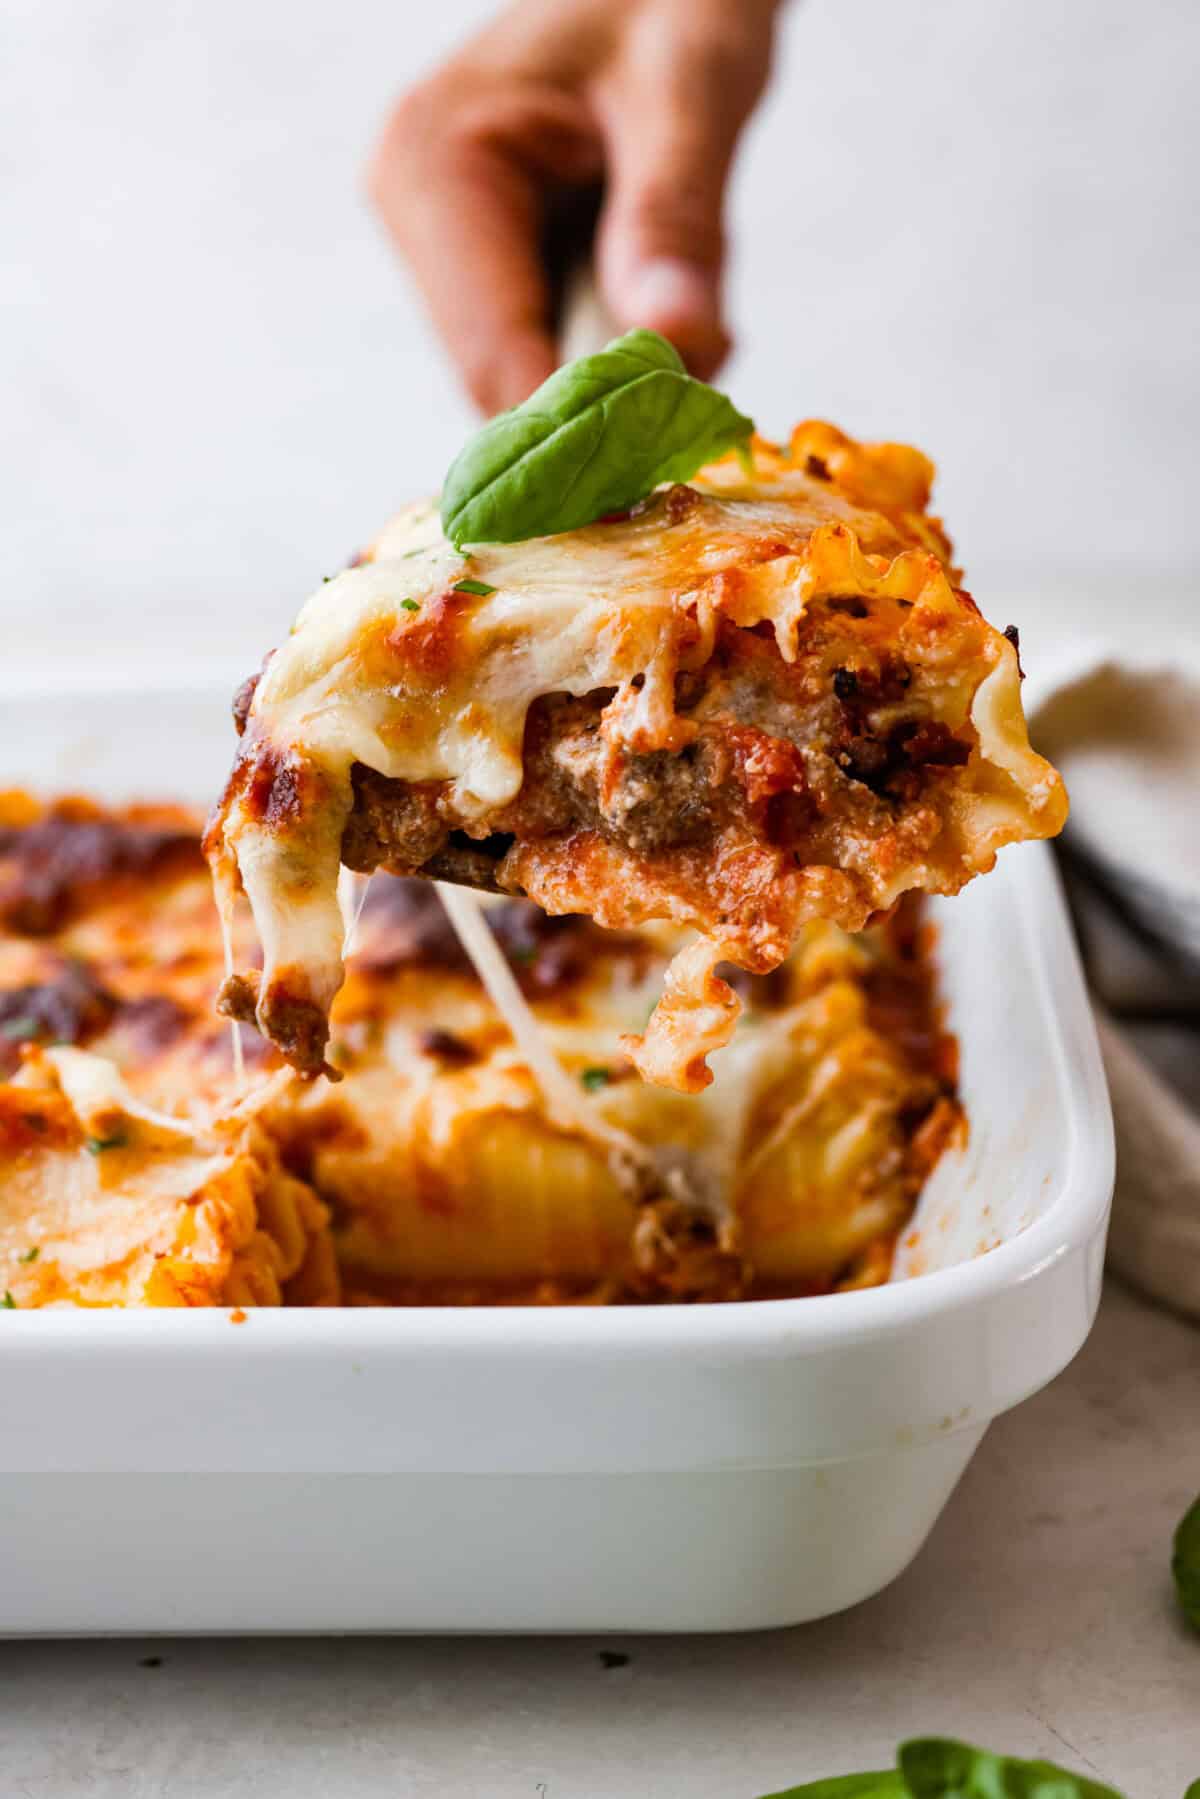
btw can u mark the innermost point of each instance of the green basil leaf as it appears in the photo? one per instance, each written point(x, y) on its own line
point(887, 1784)
point(1185, 1565)
point(936, 1768)
point(1193, 1791)
point(595, 438)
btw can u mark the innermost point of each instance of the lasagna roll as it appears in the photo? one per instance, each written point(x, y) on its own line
point(104, 1202)
point(756, 699)
point(129, 1173)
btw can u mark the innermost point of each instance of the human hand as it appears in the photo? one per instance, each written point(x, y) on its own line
point(648, 97)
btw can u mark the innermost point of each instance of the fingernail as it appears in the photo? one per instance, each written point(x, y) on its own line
point(672, 291)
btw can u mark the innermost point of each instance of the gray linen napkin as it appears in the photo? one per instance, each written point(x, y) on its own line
point(1128, 742)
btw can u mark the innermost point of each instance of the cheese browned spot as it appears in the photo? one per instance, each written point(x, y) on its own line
point(53, 858)
point(751, 702)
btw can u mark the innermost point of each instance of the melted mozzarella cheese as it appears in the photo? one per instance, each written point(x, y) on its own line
point(390, 664)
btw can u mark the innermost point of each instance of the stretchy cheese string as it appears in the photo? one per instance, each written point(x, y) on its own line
point(565, 1103)
point(352, 897)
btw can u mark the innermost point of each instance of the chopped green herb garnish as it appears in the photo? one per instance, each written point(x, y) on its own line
point(411, 605)
point(407, 555)
point(522, 952)
point(594, 1078)
point(8, 1303)
point(23, 1026)
point(469, 586)
point(96, 1146)
point(31, 1255)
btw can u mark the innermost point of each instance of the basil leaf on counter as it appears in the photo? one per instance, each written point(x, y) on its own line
point(1185, 1565)
point(594, 439)
point(937, 1768)
point(888, 1784)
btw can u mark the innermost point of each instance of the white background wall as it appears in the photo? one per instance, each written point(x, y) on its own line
point(968, 222)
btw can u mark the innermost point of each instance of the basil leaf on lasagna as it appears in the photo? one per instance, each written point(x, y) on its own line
point(595, 438)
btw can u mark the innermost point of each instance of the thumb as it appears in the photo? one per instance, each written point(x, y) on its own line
point(672, 115)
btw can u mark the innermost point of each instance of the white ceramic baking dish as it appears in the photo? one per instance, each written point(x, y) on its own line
point(529, 1470)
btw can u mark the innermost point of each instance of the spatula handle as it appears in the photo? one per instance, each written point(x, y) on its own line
point(587, 324)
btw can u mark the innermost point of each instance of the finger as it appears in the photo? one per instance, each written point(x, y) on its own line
point(466, 223)
point(672, 115)
point(464, 206)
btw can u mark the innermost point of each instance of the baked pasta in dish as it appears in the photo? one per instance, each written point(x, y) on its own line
point(132, 1169)
point(139, 1167)
point(753, 701)
point(446, 1173)
point(107, 1202)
